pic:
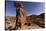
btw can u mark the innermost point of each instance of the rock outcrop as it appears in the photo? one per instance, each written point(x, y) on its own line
point(20, 15)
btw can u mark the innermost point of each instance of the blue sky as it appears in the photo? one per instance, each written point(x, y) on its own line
point(29, 7)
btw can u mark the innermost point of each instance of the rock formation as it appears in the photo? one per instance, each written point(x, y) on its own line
point(20, 15)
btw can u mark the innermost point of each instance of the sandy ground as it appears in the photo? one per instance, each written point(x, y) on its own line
point(25, 27)
point(33, 26)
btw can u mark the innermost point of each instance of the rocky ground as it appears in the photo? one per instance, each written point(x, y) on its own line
point(11, 23)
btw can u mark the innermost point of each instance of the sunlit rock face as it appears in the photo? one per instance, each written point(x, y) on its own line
point(20, 14)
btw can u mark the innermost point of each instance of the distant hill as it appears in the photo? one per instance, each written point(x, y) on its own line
point(37, 19)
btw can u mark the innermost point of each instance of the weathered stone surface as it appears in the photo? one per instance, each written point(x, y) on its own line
point(20, 15)
point(10, 22)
